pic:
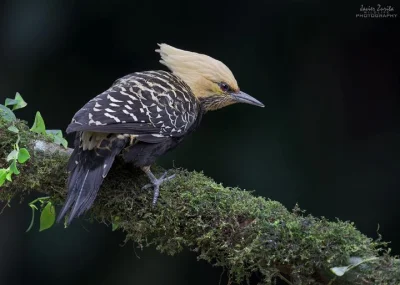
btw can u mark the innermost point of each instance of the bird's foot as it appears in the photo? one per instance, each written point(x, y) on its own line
point(155, 184)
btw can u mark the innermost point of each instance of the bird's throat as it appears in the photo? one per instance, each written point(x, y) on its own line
point(214, 102)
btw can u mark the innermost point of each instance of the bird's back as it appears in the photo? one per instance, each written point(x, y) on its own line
point(150, 102)
point(142, 115)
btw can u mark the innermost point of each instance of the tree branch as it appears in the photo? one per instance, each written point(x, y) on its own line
point(227, 227)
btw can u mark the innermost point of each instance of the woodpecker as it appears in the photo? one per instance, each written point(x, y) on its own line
point(142, 116)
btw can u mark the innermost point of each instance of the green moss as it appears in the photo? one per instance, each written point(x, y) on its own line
point(41, 171)
point(227, 227)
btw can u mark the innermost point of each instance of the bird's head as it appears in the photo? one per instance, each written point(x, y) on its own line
point(211, 81)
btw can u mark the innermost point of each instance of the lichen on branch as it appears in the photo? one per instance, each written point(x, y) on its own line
point(227, 227)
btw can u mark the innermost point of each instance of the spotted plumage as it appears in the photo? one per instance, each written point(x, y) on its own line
point(142, 116)
point(151, 104)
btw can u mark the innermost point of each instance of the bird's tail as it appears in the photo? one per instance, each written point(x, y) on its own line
point(87, 169)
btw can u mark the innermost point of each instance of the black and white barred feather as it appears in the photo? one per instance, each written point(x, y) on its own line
point(155, 103)
point(142, 116)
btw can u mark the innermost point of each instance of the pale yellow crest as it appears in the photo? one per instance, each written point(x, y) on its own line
point(201, 72)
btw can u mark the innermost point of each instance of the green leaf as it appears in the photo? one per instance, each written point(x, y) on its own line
point(64, 143)
point(58, 137)
point(39, 126)
point(9, 175)
point(7, 114)
point(17, 102)
point(10, 102)
point(13, 167)
point(61, 141)
point(3, 175)
point(47, 217)
point(115, 224)
point(13, 129)
point(20, 102)
point(23, 155)
point(12, 155)
point(57, 133)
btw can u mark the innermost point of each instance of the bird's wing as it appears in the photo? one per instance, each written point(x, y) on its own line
point(152, 105)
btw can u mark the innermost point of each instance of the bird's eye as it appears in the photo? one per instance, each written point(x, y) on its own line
point(224, 87)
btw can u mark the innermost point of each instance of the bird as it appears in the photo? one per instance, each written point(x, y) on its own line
point(142, 116)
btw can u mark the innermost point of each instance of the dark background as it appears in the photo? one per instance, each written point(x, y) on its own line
point(328, 138)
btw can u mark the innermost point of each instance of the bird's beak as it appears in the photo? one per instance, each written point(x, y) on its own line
point(242, 97)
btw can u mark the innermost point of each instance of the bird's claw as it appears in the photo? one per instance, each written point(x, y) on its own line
point(155, 183)
point(169, 177)
point(163, 176)
point(147, 186)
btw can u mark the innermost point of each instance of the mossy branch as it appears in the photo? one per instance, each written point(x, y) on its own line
point(227, 227)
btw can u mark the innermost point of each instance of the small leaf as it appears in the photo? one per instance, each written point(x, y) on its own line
point(340, 271)
point(64, 143)
point(39, 126)
point(23, 155)
point(3, 175)
point(47, 217)
point(17, 102)
point(12, 155)
point(9, 175)
point(7, 114)
point(13, 129)
point(33, 206)
point(58, 137)
point(13, 168)
point(20, 102)
point(10, 102)
point(61, 141)
point(57, 133)
point(115, 224)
